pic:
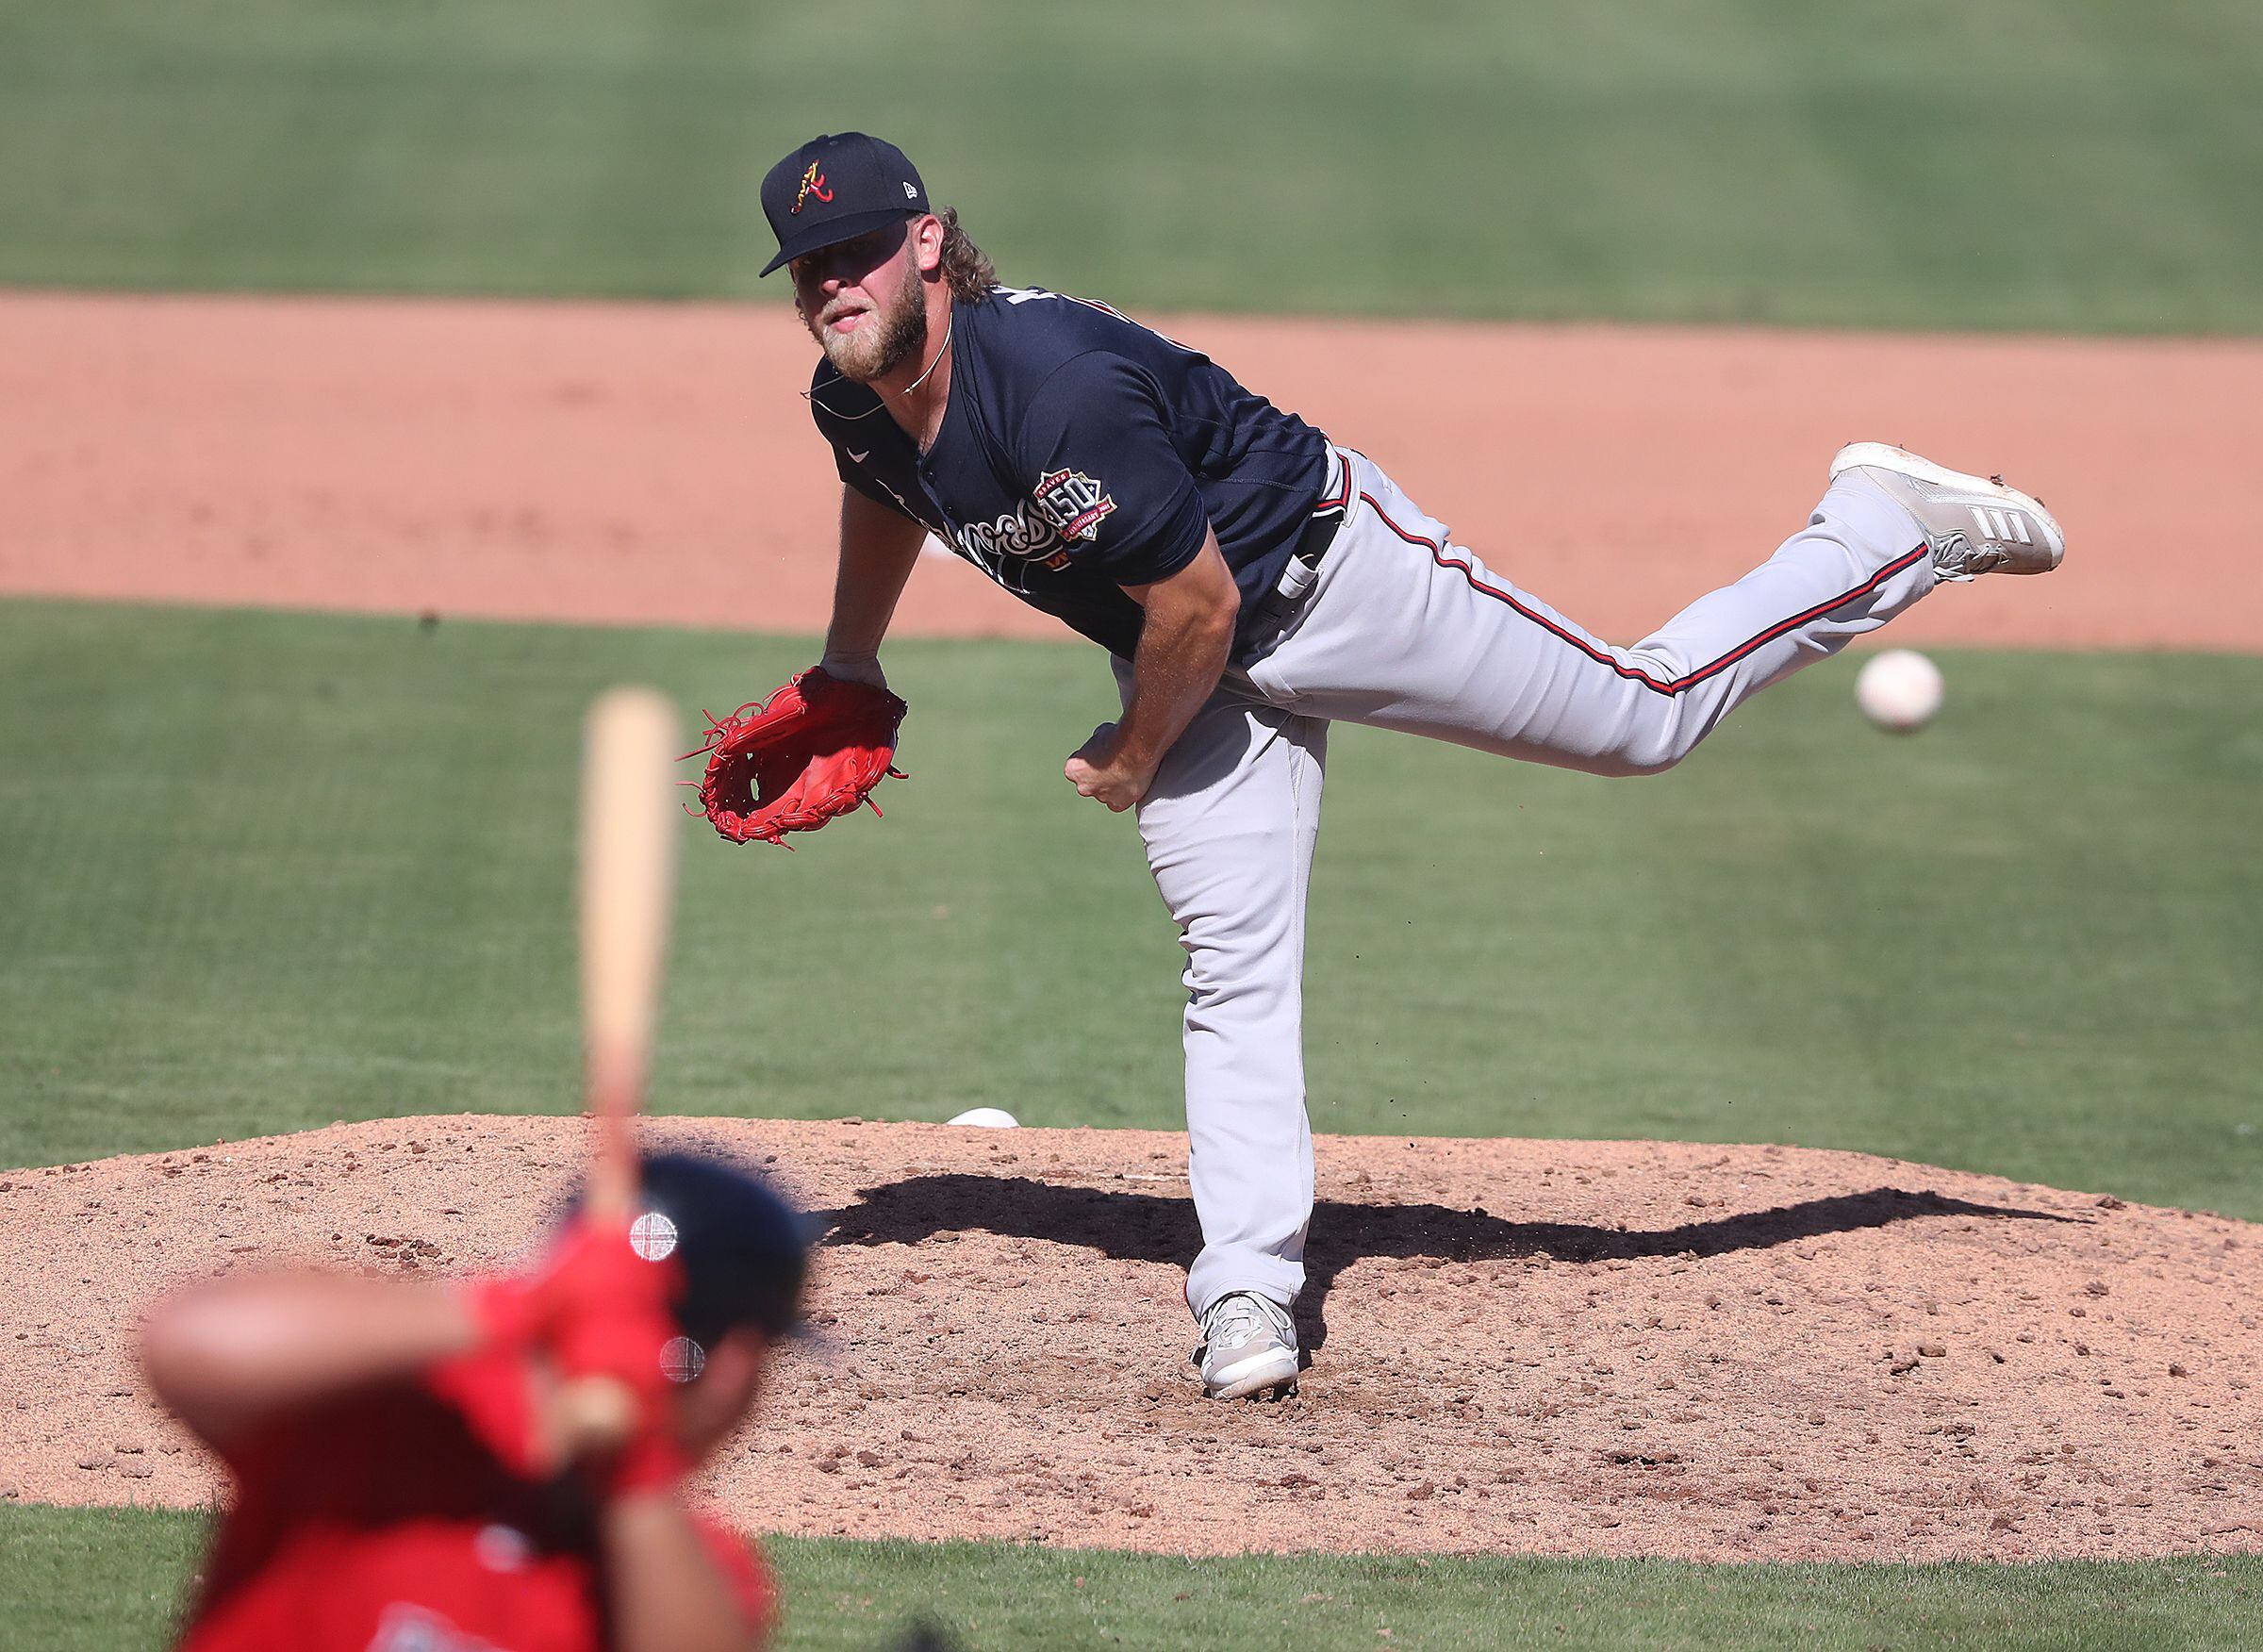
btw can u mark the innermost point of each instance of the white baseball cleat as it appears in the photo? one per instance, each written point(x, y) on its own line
point(1976, 524)
point(1248, 1346)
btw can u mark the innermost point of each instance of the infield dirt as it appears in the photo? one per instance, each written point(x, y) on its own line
point(656, 464)
point(1622, 1349)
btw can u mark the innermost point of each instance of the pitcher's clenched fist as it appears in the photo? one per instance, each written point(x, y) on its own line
point(1100, 771)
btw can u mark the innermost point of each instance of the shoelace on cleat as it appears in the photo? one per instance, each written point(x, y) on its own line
point(1239, 1319)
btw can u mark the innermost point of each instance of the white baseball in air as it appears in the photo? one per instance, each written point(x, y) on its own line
point(987, 1118)
point(1899, 690)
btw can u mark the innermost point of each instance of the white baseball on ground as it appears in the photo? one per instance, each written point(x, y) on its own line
point(987, 1118)
point(1899, 689)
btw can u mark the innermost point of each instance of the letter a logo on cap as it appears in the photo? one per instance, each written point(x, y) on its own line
point(813, 183)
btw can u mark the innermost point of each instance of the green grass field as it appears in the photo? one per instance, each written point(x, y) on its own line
point(990, 1596)
point(259, 872)
point(2072, 164)
point(265, 871)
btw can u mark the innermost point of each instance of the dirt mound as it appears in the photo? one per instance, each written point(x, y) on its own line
point(654, 463)
point(1625, 1349)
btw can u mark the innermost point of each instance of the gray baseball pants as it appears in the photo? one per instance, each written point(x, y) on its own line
point(1404, 629)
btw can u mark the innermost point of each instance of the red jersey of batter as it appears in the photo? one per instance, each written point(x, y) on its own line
point(411, 1520)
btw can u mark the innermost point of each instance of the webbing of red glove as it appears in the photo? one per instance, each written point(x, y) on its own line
point(811, 752)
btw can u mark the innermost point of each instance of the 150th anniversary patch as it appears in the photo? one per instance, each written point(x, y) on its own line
point(1066, 506)
point(1074, 501)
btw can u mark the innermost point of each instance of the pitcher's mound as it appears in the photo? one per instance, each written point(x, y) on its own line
point(1720, 1353)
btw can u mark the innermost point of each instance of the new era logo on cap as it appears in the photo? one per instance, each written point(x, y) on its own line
point(836, 188)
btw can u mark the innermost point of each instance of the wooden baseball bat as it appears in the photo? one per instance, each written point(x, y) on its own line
point(630, 826)
point(628, 880)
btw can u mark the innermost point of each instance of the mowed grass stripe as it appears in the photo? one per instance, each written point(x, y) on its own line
point(266, 870)
point(89, 1578)
point(2056, 164)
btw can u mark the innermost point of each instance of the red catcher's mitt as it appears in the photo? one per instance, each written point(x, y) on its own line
point(810, 753)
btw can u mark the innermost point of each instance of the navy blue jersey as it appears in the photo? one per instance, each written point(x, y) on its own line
point(1082, 453)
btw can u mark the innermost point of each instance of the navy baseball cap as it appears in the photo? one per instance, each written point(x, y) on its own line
point(835, 188)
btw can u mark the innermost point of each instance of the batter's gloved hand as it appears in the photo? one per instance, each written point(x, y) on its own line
point(590, 1263)
point(621, 1350)
point(811, 752)
point(599, 1308)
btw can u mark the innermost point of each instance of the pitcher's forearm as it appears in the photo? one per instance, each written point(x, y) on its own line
point(1185, 639)
point(879, 550)
point(1181, 659)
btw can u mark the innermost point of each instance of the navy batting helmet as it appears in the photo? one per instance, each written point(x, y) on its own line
point(743, 1250)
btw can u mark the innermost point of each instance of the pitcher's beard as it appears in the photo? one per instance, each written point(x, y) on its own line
point(884, 342)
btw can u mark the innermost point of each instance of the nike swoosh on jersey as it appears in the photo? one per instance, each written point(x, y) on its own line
point(857, 459)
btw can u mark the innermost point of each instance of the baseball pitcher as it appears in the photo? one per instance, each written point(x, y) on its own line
point(1254, 581)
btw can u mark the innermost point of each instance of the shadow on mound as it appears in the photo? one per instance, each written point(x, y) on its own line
point(1145, 1227)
